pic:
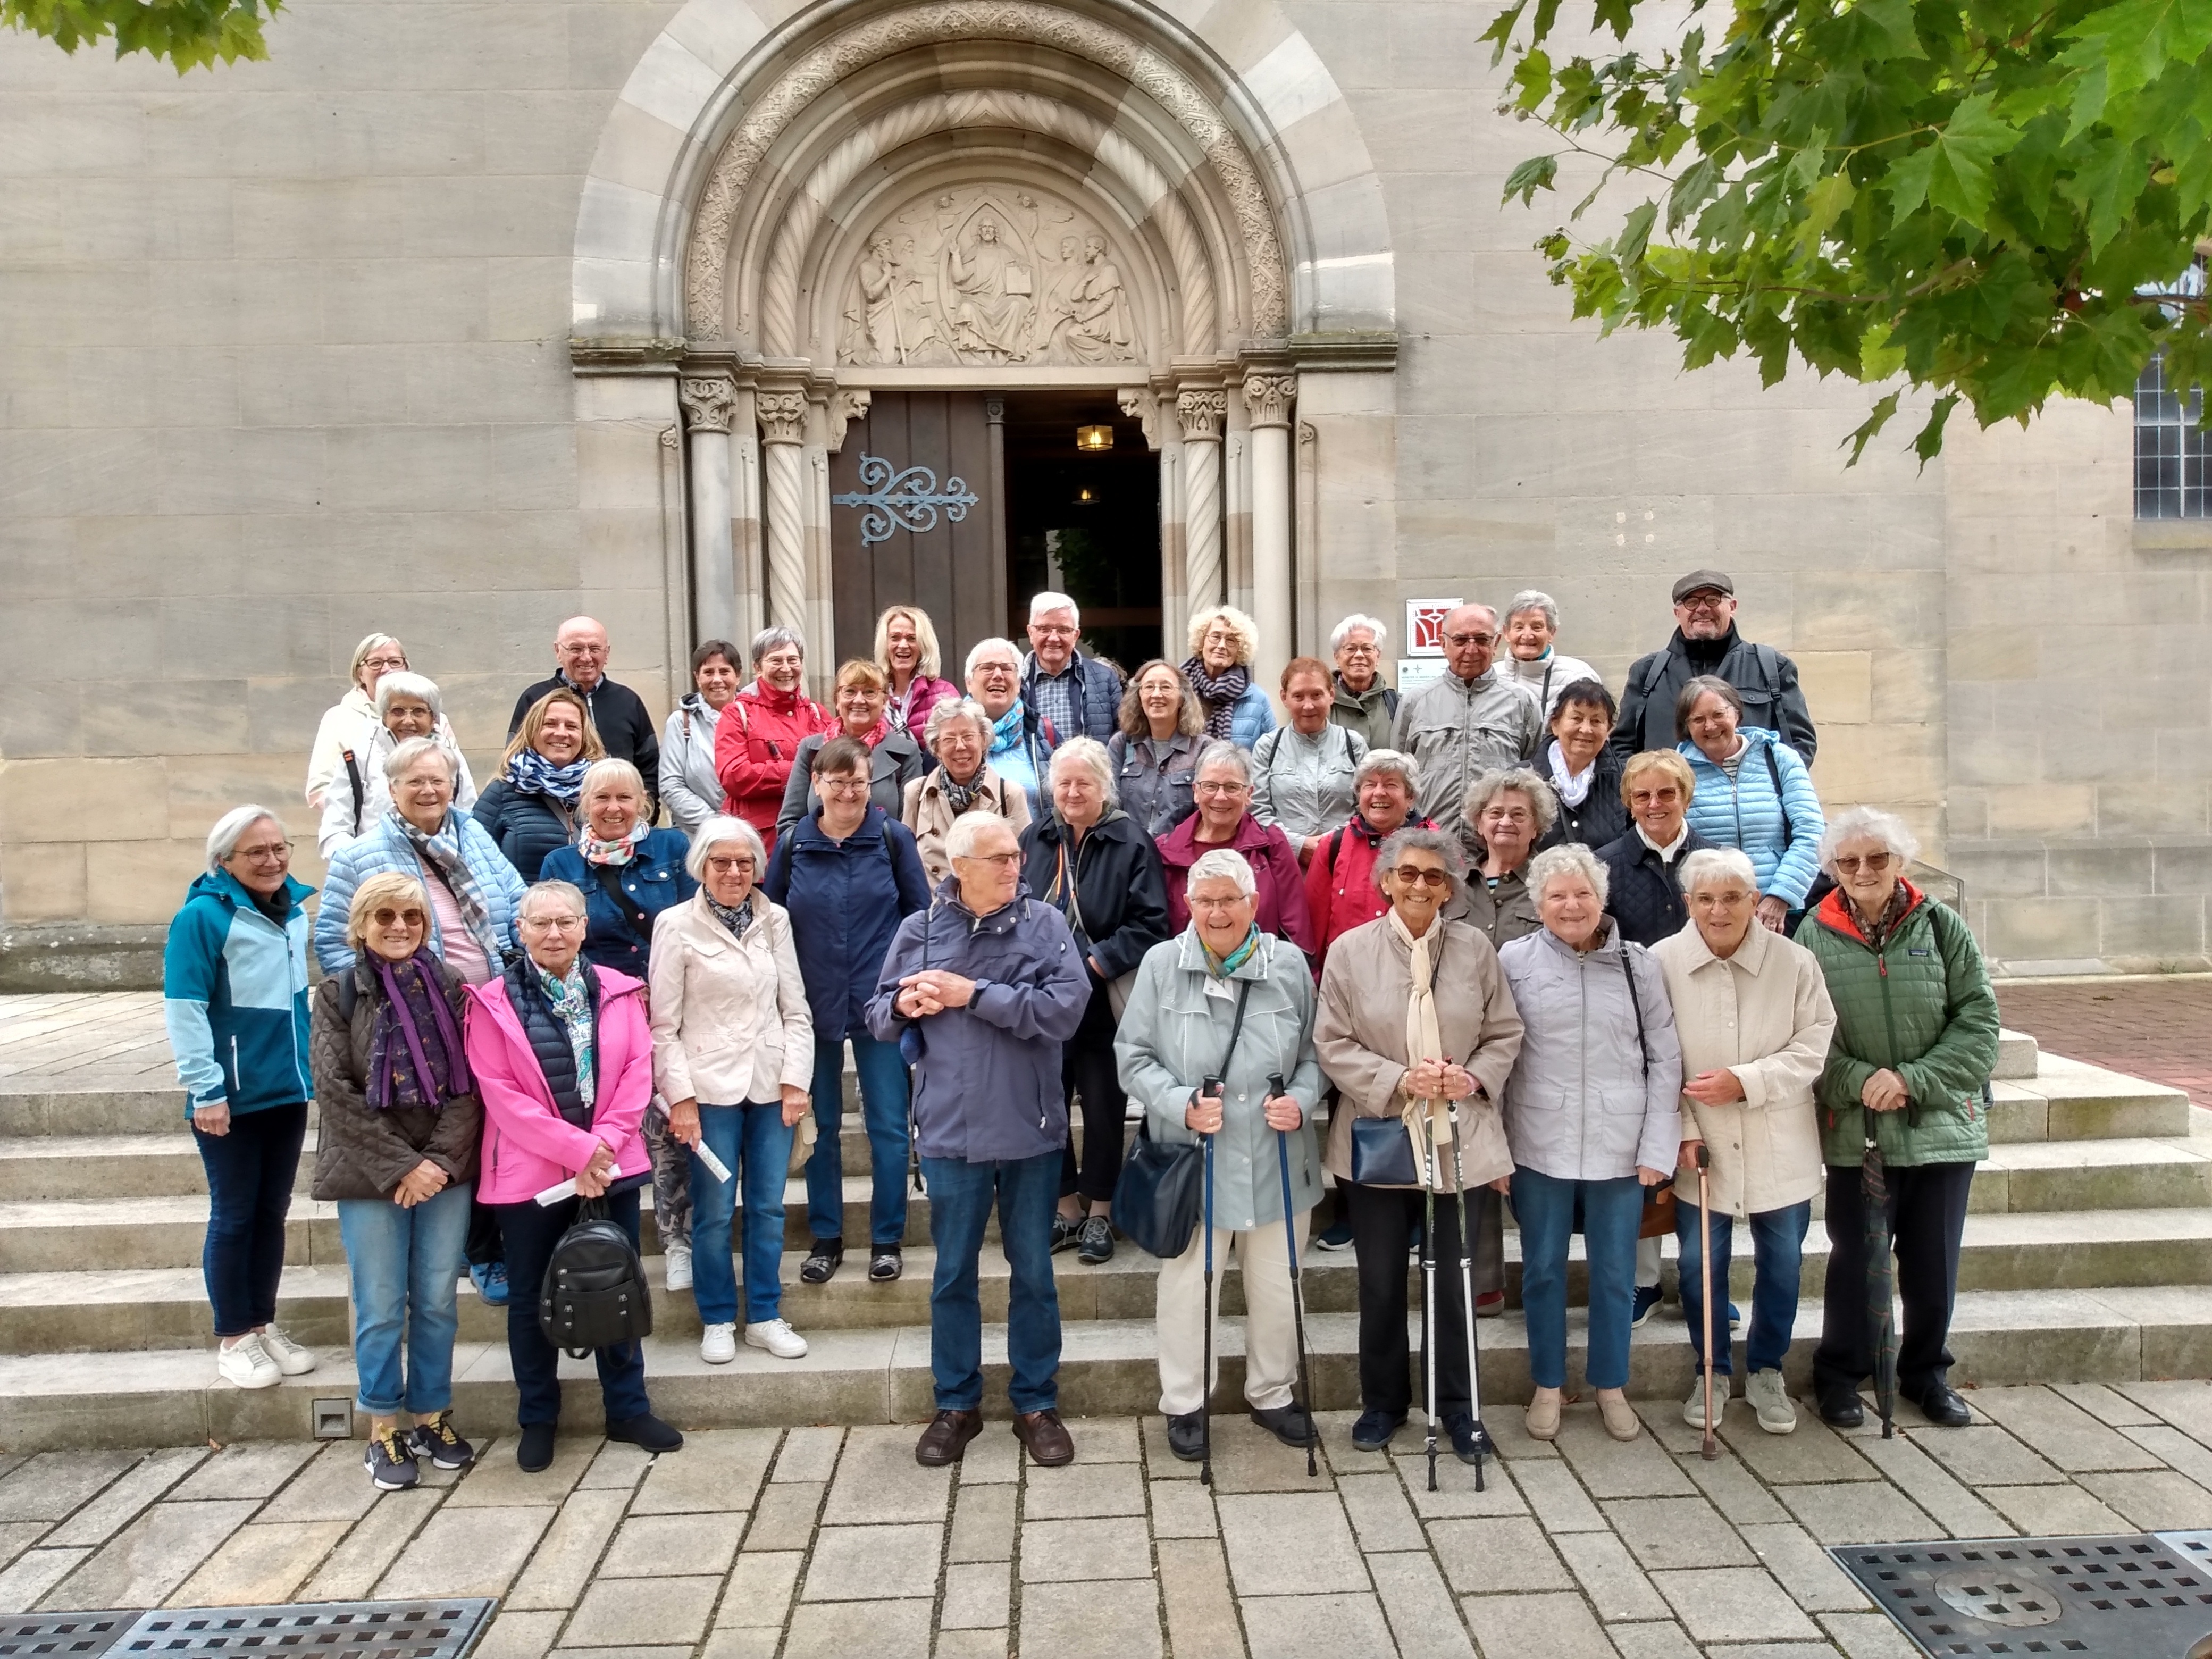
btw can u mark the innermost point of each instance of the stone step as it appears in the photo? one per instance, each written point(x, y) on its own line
point(166, 1307)
point(1106, 1367)
point(2161, 1174)
point(2017, 1054)
point(2069, 1100)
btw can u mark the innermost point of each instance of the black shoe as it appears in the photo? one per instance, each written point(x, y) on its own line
point(1095, 1241)
point(533, 1452)
point(390, 1462)
point(648, 1432)
point(945, 1440)
point(1470, 1441)
point(1373, 1431)
point(1066, 1232)
point(885, 1264)
point(1940, 1405)
point(1187, 1436)
point(1842, 1410)
point(1288, 1423)
point(822, 1262)
point(434, 1438)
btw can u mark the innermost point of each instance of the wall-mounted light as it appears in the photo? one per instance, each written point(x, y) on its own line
point(1093, 439)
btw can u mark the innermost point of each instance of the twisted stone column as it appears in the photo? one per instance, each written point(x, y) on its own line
point(783, 429)
point(1200, 413)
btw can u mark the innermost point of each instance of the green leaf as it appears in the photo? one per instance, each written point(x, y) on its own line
point(1929, 440)
point(1824, 204)
point(1952, 171)
point(1864, 433)
point(1635, 234)
point(1537, 172)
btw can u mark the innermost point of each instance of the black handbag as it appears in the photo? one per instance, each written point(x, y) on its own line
point(1382, 1153)
point(1156, 1199)
point(594, 1293)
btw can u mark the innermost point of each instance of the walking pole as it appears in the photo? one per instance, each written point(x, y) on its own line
point(1710, 1449)
point(1467, 1298)
point(1428, 1290)
point(1205, 1374)
point(1276, 1088)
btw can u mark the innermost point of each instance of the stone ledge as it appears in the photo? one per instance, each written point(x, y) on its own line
point(81, 957)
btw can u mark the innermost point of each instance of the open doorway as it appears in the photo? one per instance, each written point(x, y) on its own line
point(1085, 520)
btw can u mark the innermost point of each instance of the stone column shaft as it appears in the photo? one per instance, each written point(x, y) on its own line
point(1200, 413)
point(783, 429)
point(708, 401)
point(1268, 399)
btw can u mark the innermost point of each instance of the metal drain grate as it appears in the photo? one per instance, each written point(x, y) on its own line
point(2135, 1595)
point(65, 1635)
point(356, 1630)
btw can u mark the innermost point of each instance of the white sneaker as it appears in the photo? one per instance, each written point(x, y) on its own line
point(777, 1337)
point(1777, 1414)
point(247, 1364)
point(718, 1343)
point(291, 1359)
point(1693, 1408)
point(679, 1267)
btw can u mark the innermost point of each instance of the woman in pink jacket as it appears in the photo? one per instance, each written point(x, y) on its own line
point(563, 1058)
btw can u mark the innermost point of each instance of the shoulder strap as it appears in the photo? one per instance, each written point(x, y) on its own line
point(1636, 1002)
point(1655, 675)
point(630, 911)
point(1335, 846)
point(353, 772)
point(1236, 1028)
point(1774, 772)
point(1770, 665)
point(349, 995)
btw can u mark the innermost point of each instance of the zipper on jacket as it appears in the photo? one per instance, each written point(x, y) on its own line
point(236, 1087)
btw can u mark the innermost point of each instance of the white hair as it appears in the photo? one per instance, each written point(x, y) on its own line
point(949, 709)
point(1868, 823)
point(230, 829)
point(1223, 862)
point(567, 892)
point(774, 639)
point(1568, 859)
point(414, 688)
point(983, 648)
point(1398, 765)
point(1534, 599)
point(604, 774)
point(1716, 864)
point(1222, 752)
point(969, 828)
point(405, 755)
point(712, 833)
point(1091, 753)
point(1043, 604)
point(1343, 630)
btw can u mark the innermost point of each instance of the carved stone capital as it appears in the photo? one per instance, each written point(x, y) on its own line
point(708, 401)
point(1200, 413)
point(782, 417)
point(1268, 397)
point(1308, 434)
point(847, 404)
point(1137, 404)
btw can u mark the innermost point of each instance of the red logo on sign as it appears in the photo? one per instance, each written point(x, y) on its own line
point(1424, 625)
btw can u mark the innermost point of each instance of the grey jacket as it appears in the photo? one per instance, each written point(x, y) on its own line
point(1154, 778)
point(1585, 1103)
point(689, 786)
point(1458, 729)
point(1173, 1035)
point(1304, 784)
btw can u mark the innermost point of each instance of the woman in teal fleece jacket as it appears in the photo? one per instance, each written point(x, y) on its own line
point(235, 997)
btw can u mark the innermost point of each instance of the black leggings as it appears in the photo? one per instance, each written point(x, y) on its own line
point(1086, 1068)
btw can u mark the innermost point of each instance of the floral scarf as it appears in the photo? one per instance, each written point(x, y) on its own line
point(403, 1070)
point(441, 859)
point(571, 1002)
point(1878, 931)
point(620, 850)
point(1218, 693)
point(532, 773)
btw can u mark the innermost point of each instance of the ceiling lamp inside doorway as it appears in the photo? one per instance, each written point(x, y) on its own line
point(1092, 438)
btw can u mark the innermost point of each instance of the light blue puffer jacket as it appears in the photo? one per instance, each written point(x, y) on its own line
point(1779, 830)
point(385, 847)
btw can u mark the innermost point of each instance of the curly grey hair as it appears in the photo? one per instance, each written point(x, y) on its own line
point(1223, 863)
point(1569, 858)
point(1868, 823)
point(1489, 786)
point(1413, 839)
point(1403, 766)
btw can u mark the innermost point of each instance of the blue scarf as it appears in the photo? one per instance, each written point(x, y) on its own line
point(532, 773)
point(1222, 967)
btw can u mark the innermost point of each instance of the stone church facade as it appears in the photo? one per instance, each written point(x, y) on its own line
point(453, 321)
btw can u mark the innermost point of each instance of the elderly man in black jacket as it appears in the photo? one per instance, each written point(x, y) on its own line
point(619, 714)
point(1706, 642)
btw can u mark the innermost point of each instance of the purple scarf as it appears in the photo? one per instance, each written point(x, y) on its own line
point(403, 1073)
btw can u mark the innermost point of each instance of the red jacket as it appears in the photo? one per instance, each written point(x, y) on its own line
point(1341, 894)
point(756, 740)
point(1274, 861)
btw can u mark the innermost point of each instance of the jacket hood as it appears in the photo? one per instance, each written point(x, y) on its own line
point(1346, 698)
point(1833, 914)
point(226, 888)
point(1608, 942)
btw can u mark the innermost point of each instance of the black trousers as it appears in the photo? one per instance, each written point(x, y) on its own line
point(530, 1234)
point(1381, 1218)
point(249, 1175)
point(1927, 1221)
point(1086, 1068)
point(485, 1245)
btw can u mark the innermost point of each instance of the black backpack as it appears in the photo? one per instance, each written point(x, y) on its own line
point(594, 1294)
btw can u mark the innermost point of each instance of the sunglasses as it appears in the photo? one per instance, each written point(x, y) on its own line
point(385, 918)
point(1409, 874)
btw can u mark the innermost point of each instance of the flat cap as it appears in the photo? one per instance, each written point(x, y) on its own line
point(1697, 578)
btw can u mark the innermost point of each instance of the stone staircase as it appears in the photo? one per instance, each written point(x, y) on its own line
point(2088, 1258)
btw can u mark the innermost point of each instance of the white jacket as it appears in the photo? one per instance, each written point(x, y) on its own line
point(1763, 1014)
point(351, 723)
point(338, 824)
point(689, 786)
point(731, 1023)
point(1546, 677)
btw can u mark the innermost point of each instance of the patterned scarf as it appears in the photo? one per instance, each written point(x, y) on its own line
point(1222, 967)
point(620, 850)
point(572, 1006)
point(737, 918)
point(532, 773)
point(1218, 693)
point(960, 796)
point(1878, 931)
point(402, 1072)
point(441, 855)
point(1006, 730)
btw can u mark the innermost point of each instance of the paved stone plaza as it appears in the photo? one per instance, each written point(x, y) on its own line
point(833, 1541)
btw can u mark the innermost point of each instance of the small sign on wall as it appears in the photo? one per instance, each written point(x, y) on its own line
point(1425, 626)
point(1415, 673)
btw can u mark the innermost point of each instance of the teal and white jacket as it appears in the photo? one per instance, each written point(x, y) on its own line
point(235, 996)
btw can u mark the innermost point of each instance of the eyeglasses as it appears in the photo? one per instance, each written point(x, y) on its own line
point(386, 918)
point(1470, 639)
point(1347, 649)
point(1873, 864)
point(842, 786)
point(729, 866)
point(1213, 904)
point(1217, 790)
point(1409, 874)
point(387, 664)
point(272, 852)
point(998, 860)
point(1054, 630)
point(554, 924)
point(1702, 601)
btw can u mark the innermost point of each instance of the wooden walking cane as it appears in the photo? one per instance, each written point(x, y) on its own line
point(1710, 1449)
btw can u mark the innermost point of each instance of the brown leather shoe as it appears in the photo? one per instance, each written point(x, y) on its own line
point(946, 1438)
point(1046, 1436)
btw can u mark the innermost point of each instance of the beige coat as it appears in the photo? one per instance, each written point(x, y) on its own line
point(929, 815)
point(1763, 1014)
point(1359, 1034)
point(730, 1018)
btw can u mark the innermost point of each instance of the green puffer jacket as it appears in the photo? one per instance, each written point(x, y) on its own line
point(1922, 1007)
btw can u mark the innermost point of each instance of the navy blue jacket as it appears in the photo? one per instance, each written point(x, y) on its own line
point(1602, 819)
point(846, 900)
point(527, 826)
point(653, 879)
point(1644, 893)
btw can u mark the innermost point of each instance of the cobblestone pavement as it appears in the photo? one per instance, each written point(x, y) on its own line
point(2159, 1029)
point(833, 1541)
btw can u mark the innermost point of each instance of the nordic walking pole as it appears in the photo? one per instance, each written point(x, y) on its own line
point(1710, 1449)
point(1276, 1088)
point(1429, 1290)
point(1466, 1299)
point(1211, 1085)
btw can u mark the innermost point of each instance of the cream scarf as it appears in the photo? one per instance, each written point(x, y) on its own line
point(1423, 1040)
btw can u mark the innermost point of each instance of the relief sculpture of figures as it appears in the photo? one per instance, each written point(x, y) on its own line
point(1101, 331)
point(991, 318)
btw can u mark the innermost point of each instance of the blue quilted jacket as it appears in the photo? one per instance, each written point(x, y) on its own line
point(1778, 828)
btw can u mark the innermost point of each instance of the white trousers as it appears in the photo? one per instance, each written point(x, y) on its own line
point(1271, 1340)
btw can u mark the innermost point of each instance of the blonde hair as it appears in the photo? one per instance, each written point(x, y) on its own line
point(859, 670)
point(930, 662)
point(369, 642)
point(1246, 630)
point(526, 735)
point(602, 775)
point(385, 887)
point(1659, 760)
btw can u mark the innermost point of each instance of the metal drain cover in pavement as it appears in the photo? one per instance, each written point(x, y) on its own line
point(345, 1630)
point(2137, 1596)
point(66, 1635)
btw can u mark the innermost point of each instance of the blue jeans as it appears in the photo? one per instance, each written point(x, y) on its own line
point(753, 1141)
point(1778, 1248)
point(249, 1177)
point(1027, 1191)
point(1612, 1214)
point(404, 1263)
point(883, 1112)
